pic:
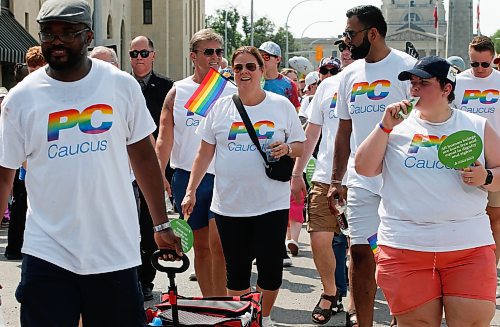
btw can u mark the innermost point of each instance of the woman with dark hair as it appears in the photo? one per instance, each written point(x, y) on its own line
point(251, 210)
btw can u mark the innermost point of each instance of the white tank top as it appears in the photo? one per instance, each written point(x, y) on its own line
point(426, 206)
point(186, 141)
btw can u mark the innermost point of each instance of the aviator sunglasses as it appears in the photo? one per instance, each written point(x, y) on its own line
point(483, 64)
point(135, 53)
point(251, 66)
point(210, 52)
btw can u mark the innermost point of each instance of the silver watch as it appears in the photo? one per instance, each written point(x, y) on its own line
point(161, 227)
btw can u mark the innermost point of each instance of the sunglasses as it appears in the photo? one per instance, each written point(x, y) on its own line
point(210, 52)
point(483, 64)
point(267, 56)
point(250, 66)
point(325, 71)
point(135, 53)
point(351, 34)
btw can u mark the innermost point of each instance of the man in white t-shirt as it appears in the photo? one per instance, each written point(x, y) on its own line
point(366, 88)
point(178, 142)
point(76, 122)
point(478, 91)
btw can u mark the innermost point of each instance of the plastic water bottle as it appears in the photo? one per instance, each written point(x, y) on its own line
point(267, 149)
point(342, 218)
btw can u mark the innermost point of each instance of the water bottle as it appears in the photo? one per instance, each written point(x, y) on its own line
point(267, 149)
point(342, 216)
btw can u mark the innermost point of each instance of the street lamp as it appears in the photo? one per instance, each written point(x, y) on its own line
point(305, 29)
point(286, 28)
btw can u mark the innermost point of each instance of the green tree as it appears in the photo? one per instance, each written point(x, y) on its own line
point(496, 40)
point(217, 23)
point(280, 39)
point(263, 30)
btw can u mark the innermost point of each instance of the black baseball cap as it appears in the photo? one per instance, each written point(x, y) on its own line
point(429, 67)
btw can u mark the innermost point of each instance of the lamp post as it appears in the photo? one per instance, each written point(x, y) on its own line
point(225, 34)
point(305, 29)
point(251, 23)
point(286, 28)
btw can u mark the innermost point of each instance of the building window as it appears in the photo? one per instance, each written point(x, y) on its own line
point(412, 3)
point(109, 28)
point(27, 21)
point(413, 17)
point(147, 11)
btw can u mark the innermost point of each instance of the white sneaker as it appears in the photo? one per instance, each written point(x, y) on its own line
point(267, 322)
point(192, 276)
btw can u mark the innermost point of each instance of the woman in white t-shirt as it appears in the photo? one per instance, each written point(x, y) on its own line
point(435, 245)
point(251, 210)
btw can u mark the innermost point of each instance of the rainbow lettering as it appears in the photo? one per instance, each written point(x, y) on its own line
point(425, 141)
point(369, 89)
point(264, 129)
point(470, 95)
point(372, 240)
point(69, 118)
point(333, 104)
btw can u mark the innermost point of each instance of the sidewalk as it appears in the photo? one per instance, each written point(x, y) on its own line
point(298, 296)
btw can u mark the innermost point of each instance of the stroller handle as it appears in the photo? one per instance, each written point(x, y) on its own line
point(159, 253)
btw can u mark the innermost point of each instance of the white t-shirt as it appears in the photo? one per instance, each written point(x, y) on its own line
point(304, 104)
point(242, 188)
point(479, 96)
point(81, 213)
point(426, 206)
point(186, 142)
point(323, 111)
point(365, 90)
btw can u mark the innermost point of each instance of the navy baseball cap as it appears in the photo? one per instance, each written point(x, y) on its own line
point(429, 67)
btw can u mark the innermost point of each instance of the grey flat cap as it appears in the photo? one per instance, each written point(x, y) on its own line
point(70, 11)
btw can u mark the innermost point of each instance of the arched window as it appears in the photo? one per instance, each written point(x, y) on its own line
point(413, 17)
point(147, 11)
point(109, 28)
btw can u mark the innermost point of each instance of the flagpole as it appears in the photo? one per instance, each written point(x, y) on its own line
point(437, 29)
point(409, 12)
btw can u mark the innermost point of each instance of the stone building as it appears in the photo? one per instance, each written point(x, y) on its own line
point(460, 28)
point(169, 23)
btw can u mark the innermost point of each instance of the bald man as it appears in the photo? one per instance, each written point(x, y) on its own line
point(154, 88)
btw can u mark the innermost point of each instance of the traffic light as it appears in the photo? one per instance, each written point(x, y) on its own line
point(319, 52)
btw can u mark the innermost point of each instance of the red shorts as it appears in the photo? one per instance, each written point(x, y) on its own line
point(297, 210)
point(410, 279)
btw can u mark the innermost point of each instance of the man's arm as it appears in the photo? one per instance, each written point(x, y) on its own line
point(6, 181)
point(165, 140)
point(148, 175)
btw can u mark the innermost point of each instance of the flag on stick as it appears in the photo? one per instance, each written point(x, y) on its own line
point(207, 93)
point(436, 16)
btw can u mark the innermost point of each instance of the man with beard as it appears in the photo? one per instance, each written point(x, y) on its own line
point(366, 88)
point(76, 122)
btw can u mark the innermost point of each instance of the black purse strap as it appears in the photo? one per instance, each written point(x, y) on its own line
point(249, 126)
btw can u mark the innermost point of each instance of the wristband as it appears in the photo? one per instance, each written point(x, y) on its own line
point(297, 175)
point(161, 227)
point(386, 130)
point(334, 181)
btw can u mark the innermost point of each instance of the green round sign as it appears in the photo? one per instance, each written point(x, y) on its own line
point(311, 166)
point(182, 229)
point(460, 150)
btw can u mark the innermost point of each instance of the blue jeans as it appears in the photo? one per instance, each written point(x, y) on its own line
point(53, 296)
point(339, 244)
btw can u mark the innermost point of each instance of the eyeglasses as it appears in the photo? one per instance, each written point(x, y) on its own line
point(66, 37)
point(135, 53)
point(250, 66)
point(325, 71)
point(350, 34)
point(266, 56)
point(210, 52)
point(483, 64)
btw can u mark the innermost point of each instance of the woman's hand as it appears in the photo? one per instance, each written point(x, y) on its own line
point(279, 149)
point(391, 115)
point(188, 204)
point(474, 176)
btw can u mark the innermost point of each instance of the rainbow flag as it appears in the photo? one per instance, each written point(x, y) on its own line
point(373, 243)
point(205, 95)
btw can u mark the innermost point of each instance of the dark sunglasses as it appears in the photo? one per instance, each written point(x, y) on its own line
point(267, 56)
point(135, 53)
point(483, 64)
point(350, 34)
point(210, 52)
point(324, 70)
point(249, 65)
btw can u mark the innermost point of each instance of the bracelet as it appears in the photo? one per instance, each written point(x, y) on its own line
point(386, 130)
point(296, 175)
point(161, 227)
point(334, 181)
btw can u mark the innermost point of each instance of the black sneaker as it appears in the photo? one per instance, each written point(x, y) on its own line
point(287, 262)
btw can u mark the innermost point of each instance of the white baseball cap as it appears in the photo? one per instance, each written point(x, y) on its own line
point(271, 48)
point(311, 78)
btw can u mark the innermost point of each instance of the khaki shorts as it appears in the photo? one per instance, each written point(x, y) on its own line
point(494, 199)
point(319, 218)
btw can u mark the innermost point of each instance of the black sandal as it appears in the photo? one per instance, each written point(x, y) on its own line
point(326, 313)
point(350, 319)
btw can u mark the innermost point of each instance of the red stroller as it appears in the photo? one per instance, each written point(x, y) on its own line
point(175, 310)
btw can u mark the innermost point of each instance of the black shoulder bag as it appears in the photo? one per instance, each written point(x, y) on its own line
point(280, 170)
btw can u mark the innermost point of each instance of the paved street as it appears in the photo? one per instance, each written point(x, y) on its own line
point(300, 291)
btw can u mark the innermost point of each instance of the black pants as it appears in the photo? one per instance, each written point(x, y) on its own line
point(146, 271)
point(15, 235)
